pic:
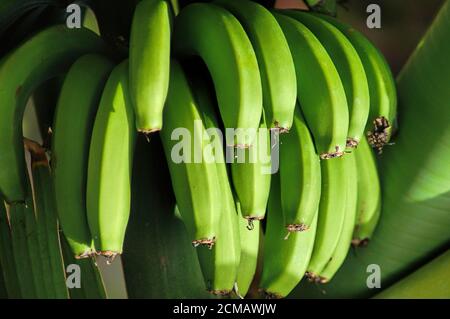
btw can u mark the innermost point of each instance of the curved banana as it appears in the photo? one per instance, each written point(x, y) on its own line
point(285, 258)
point(74, 119)
point(230, 58)
point(219, 265)
point(332, 211)
point(320, 90)
point(275, 62)
point(349, 67)
point(382, 90)
point(250, 172)
point(249, 252)
point(345, 239)
point(20, 73)
point(150, 62)
point(299, 176)
point(369, 195)
point(194, 184)
point(110, 165)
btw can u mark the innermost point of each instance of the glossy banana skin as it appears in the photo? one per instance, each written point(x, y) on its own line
point(368, 207)
point(57, 47)
point(275, 62)
point(74, 119)
point(345, 239)
point(332, 212)
point(110, 165)
point(285, 257)
point(300, 177)
point(194, 184)
point(382, 90)
point(349, 67)
point(319, 88)
point(231, 61)
point(150, 62)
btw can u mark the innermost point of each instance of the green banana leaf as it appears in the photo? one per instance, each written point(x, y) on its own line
point(430, 281)
point(159, 260)
point(415, 176)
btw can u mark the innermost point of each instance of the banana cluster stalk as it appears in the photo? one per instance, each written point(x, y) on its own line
point(192, 74)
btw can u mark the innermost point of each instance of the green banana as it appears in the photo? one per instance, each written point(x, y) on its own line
point(278, 79)
point(74, 119)
point(7, 256)
point(320, 90)
point(251, 175)
point(250, 240)
point(332, 211)
point(369, 195)
point(50, 250)
point(219, 265)
point(382, 91)
point(230, 58)
point(150, 62)
point(345, 238)
point(285, 260)
point(194, 184)
point(110, 165)
point(57, 48)
point(299, 176)
point(350, 69)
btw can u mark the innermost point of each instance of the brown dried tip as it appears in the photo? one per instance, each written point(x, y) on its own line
point(358, 242)
point(150, 131)
point(336, 153)
point(312, 277)
point(379, 137)
point(269, 295)
point(251, 219)
point(37, 152)
point(281, 129)
point(222, 293)
point(208, 242)
point(352, 143)
point(109, 255)
point(296, 227)
point(85, 255)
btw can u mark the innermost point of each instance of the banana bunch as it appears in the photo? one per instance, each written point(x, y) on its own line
point(260, 113)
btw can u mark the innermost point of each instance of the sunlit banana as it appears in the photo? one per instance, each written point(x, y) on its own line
point(20, 73)
point(285, 258)
point(275, 62)
point(251, 173)
point(249, 252)
point(320, 90)
point(110, 165)
point(194, 184)
point(369, 194)
point(74, 119)
point(344, 241)
point(150, 62)
point(231, 61)
point(349, 67)
point(383, 96)
point(219, 265)
point(299, 176)
point(332, 211)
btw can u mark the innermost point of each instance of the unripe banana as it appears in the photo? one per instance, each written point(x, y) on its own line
point(230, 58)
point(299, 176)
point(251, 173)
point(249, 252)
point(285, 258)
point(150, 62)
point(219, 265)
point(349, 67)
point(74, 119)
point(194, 184)
point(369, 194)
point(332, 211)
point(275, 62)
point(382, 91)
point(20, 73)
point(110, 165)
point(319, 88)
point(345, 239)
